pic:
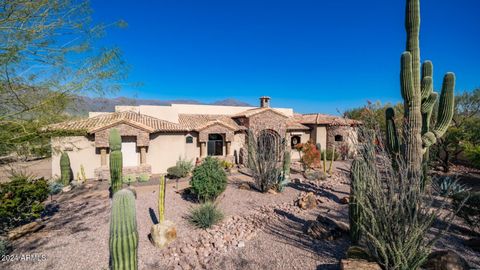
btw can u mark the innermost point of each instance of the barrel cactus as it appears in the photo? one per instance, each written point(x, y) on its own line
point(65, 170)
point(123, 240)
point(116, 158)
point(419, 100)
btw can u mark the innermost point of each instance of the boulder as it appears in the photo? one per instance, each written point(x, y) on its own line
point(244, 185)
point(354, 264)
point(445, 260)
point(24, 230)
point(473, 243)
point(163, 233)
point(308, 201)
point(327, 228)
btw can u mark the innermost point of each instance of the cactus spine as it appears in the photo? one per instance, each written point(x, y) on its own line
point(123, 240)
point(161, 199)
point(116, 165)
point(65, 170)
point(331, 161)
point(419, 99)
point(357, 188)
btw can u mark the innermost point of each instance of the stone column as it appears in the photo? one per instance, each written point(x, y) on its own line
point(103, 156)
point(203, 149)
point(143, 155)
point(229, 146)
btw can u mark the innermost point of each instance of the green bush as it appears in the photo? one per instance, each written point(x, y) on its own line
point(473, 155)
point(470, 211)
point(21, 200)
point(209, 179)
point(181, 169)
point(144, 177)
point(5, 247)
point(55, 188)
point(128, 179)
point(205, 215)
point(329, 154)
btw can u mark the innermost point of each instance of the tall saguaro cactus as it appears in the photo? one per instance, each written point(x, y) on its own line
point(65, 170)
point(123, 240)
point(116, 163)
point(419, 100)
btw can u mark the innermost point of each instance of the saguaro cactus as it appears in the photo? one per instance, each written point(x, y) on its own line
point(65, 170)
point(419, 99)
point(331, 160)
point(123, 232)
point(116, 163)
point(161, 199)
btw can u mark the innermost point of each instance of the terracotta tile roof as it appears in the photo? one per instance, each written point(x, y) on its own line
point(294, 125)
point(255, 111)
point(324, 119)
point(92, 124)
point(201, 121)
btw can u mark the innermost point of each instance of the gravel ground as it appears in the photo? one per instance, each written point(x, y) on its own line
point(76, 233)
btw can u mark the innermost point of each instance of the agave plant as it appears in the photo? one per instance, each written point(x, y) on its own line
point(447, 187)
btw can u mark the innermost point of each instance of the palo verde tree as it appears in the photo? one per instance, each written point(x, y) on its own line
point(47, 58)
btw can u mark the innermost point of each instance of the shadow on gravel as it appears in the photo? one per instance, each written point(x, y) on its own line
point(316, 190)
point(328, 266)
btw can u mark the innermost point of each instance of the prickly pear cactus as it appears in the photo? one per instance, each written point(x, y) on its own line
point(123, 240)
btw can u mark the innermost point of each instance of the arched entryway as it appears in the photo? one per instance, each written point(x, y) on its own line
point(215, 144)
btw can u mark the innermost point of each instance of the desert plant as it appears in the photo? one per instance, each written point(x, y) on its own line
point(419, 102)
point(309, 155)
point(331, 160)
point(83, 176)
point(123, 240)
point(5, 247)
point(357, 189)
point(265, 154)
point(116, 163)
point(129, 179)
point(287, 160)
point(21, 200)
point(447, 186)
point(393, 213)
point(161, 198)
point(329, 154)
point(65, 170)
point(54, 188)
point(205, 216)
point(209, 179)
point(181, 169)
point(470, 208)
point(144, 177)
point(473, 154)
point(227, 165)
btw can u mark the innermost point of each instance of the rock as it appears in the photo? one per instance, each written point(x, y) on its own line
point(296, 181)
point(353, 264)
point(24, 230)
point(244, 185)
point(272, 191)
point(309, 201)
point(241, 244)
point(358, 253)
point(327, 228)
point(67, 188)
point(473, 243)
point(89, 186)
point(317, 231)
point(345, 200)
point(445, 260)
point(163, 233)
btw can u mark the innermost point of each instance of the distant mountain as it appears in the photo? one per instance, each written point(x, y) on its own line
point(83, 104)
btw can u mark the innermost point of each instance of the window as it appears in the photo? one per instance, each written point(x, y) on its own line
point(189, 139)
point(338, 138)
point(295, 140)
point(215, 145)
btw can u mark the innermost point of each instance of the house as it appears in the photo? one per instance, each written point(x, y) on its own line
point(155, 137)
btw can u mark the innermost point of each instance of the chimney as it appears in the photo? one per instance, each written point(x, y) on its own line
point(264, 102)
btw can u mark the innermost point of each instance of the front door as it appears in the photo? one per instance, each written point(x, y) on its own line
point(129, 153)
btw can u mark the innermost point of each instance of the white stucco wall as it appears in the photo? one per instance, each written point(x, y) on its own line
point(81, 151)
point(321, 136)
point(304, 137)
point(165, 149)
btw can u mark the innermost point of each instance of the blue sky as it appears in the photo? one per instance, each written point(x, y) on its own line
point(312, 55)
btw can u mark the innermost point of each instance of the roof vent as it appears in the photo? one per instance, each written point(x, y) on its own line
point(264, 102)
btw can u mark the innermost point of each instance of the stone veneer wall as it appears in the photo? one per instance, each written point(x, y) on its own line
point(203, 134)
point(101, 137)
point(103, 173)
point(268, 120)
point(349, 138)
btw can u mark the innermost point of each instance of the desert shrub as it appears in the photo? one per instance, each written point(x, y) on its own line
point(395, 213)
point(143, 177)
point(209, 179)
point(128, 179)
point(5, 247)
point(21, 200)
point(329, 153)
point(205, 216)
point(473, 155)
point(447, 186)
point(226, 164)
point(470, 211)
point(181, 169)
point(54, 188)
point(310, 156)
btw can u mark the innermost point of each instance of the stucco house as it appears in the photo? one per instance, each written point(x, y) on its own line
point(155, 137)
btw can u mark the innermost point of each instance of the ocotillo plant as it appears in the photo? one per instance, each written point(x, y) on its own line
point(161, 199)
point(419, 100)
point(331, 160)
point(123, 232)
point(116, 165)
point(65, 170)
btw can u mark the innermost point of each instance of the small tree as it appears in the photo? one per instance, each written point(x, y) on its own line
point(265, 158)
